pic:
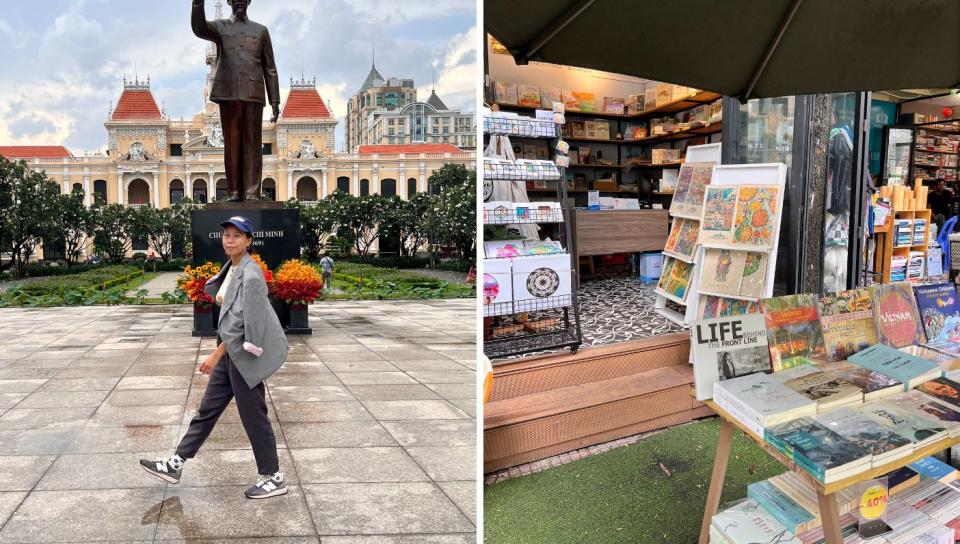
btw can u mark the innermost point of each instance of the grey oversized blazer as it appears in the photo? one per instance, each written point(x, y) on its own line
point(246, 315)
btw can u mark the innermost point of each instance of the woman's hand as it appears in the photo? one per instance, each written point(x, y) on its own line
point(206, 367)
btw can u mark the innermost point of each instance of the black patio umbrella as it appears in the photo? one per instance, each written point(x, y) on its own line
point(743, 48)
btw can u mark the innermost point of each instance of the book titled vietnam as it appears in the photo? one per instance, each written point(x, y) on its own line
point(818, 450)
point(895, 314)
point(793, 329)
point(903, 367)
point(847, 321)
point(726, 348)
point(936, 304)
point(880, 441)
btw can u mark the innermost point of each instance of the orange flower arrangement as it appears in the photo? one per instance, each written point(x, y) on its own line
point(193, 280)
point(267, 275)
point(296, 282)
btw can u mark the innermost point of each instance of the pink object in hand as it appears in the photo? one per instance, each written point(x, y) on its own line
point(247, 346)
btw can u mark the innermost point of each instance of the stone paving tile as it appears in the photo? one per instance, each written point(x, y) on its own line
point(393, 392)
point(383, 508)
point(58, 516)
point(271, 540)
point(360, 413)
point(199, 513)
point(330, 465)
point(469, 406)
point(413, 409)
point(22, 472)
point(446, 463)
point(426, 432)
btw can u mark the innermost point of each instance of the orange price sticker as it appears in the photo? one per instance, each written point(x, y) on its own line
point(873, 502)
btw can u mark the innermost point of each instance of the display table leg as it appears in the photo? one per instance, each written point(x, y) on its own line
point(716, 480)
point(831, 517)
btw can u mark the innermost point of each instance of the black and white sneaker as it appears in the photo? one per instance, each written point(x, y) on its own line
point(269, 485)
point(167, 469)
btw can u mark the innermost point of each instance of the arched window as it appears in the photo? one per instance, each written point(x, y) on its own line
point(364, 187)
point(138, 192)
point(221, 189)
point(176, 191)
point(269, 189)
point(411, 187)
point(388, 187)
point(343, 184)
point(200, 191)
point(307, 189)
point(100, 191)
point(77, 187)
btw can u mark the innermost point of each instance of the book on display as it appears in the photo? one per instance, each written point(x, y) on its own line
point(882, 442)
point(947, 414)
point(946, 360)
point(902, 478)
point(896, 315)
point(911, 424)
point(847, 320)
point(823, 453)
point(725, 348)
point(939, 501)
point(911, 526)
point(931, 468)
point(874, 385)
point(748, 522)
point(782, 507)
point(758, 401)
point(828, 389)
point(937, 304)
point(944, 389)
point(793, 329)
point(903, 367)
point(799, 489)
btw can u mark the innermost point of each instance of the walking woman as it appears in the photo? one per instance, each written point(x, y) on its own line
point(251, 346)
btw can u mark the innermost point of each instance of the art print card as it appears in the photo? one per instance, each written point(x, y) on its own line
point(682, 241)
point(675, 278)
point(722, 271)
point(718, 210)
point(714, 306)
point(756, 216)
point(541, 282)
point(699, 177)
point(754, 275)
point(503, 249)
point(680, 193)
point(497, 287)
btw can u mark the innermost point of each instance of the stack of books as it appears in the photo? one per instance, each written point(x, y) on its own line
point(814, 447)
point(913, 425)
point(903, 367)
point(902, 232)
point(939, 501)
point(759, 401)
point(748, 522)
point(883, 443)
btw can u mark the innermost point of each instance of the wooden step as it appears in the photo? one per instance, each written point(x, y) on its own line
point(539, 425)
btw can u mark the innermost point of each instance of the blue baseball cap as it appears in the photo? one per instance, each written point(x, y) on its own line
point(240, 222)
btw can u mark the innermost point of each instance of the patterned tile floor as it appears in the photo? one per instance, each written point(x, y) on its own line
point(374, 416)
point(617, 309)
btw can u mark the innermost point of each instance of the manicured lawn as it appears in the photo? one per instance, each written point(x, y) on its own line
point(135, 283)
point(624, 495)
point(390, 283)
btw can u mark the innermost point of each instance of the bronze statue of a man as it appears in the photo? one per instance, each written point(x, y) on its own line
point(244, 62)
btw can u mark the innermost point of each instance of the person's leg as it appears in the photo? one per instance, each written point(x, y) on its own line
point(215, 401)
point(252, 405)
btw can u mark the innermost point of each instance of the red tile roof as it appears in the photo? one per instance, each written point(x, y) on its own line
point(136, 105)
point(304, 104)
point(34, 151)
point(409, 148)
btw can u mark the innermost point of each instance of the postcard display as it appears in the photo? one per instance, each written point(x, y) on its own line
point(526, 275)
point(681, 255)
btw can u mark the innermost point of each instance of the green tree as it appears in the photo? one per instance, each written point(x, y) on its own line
point(161, 227)
point(74, 225)
point(28, 198)
point(453, 214)
point(413, 222)
point(317, 225)
point(358, 218)
point(115, 230)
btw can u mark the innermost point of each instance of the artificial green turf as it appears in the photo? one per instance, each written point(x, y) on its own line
point(623, 495)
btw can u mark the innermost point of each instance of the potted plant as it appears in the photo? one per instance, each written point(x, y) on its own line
point(205, 312)
point(298, 284)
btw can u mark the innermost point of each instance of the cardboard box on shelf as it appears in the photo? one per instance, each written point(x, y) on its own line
point(650, 97)
point(607, 186)
point(529, 95)
point(506, 92)
point(586, 101)
point(660, 156)
point(613, 105)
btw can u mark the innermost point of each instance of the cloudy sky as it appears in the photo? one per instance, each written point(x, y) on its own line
point(64, 62)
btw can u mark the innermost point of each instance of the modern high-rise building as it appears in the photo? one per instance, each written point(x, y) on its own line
point(386, 112)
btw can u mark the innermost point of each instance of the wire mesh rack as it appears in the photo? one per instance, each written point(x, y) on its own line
point(526, 332)
point(526, 127)
point(527, 169)
point(518, 213)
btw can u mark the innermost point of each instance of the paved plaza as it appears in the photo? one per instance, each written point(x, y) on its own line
point(374, 416)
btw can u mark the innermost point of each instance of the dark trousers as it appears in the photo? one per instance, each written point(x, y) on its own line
point(226, 383)
point(242, 146)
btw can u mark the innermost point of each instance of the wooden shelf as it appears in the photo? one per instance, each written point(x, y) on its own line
point(682, 104)
point(705, 130)
point(616, 166)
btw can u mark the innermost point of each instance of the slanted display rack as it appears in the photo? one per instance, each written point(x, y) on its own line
point(529, 297)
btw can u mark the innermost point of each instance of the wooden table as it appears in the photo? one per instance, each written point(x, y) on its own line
point(826, 498)
point(604, 232)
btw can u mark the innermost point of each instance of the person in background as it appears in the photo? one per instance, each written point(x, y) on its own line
point(940, 201)
point(326, 268)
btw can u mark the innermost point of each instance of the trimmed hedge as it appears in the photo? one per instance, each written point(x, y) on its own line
point(353, 271)
point(101, 277)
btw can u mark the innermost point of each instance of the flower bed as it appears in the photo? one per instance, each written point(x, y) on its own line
point(101, 278)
